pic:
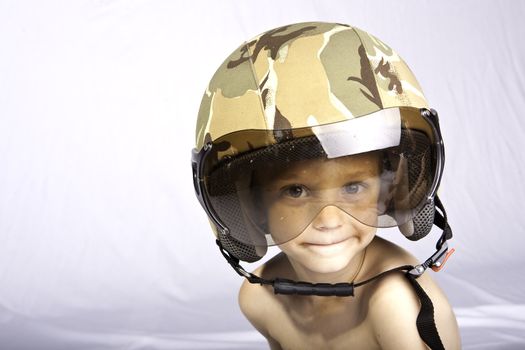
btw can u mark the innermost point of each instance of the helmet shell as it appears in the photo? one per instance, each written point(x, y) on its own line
point(304, 74)
point(296, 76)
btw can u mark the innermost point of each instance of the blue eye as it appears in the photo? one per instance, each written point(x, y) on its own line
point(353, 188)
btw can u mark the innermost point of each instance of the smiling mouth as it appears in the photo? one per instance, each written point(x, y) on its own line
point(327, 244)
point(327, 248)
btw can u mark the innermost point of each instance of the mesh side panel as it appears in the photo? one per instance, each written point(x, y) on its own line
point(227, 207)
point(423, 222)
point(241, 251)
point(420, 166)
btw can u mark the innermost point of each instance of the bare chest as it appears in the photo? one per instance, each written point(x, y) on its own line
point(345, 328)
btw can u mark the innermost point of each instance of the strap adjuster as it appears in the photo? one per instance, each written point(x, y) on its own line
point(435, 262)
point(438, 265)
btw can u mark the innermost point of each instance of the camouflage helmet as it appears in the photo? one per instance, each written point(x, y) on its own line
point(283, 76)
point(298, 76)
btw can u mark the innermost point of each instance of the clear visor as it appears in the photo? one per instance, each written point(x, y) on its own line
point(378, 169)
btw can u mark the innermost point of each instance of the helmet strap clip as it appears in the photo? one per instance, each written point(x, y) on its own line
point(234, 262)
point(439, 258)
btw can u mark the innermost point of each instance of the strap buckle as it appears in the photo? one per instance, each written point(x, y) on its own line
point(435, 262)
point(442, 259)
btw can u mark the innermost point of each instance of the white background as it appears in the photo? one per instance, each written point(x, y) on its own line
point(102, 243)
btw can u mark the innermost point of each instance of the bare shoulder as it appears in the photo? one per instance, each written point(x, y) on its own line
point(252, 297)
point(258, 303)
point(394, 305)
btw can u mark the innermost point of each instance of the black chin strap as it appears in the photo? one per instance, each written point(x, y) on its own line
point(425, 322)
point(426, 325)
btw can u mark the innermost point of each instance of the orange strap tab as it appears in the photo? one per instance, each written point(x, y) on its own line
point(442, 263)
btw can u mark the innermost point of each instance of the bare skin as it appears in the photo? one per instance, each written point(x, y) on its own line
point(335, 247)
point(381, 315)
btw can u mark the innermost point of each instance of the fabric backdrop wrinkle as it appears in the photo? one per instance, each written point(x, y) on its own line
point(103, 244)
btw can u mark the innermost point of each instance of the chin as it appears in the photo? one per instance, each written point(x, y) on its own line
point(328, 265)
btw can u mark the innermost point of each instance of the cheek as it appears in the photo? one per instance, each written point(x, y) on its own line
point(363, 233)
point(283, 222)
point(371, 210)
point(367, 233)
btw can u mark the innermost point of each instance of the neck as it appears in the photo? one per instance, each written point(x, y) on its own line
point(317, 305)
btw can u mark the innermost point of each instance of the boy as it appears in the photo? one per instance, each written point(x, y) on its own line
point(310, 137)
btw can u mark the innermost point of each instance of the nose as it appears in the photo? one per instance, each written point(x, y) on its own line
point(329, 218)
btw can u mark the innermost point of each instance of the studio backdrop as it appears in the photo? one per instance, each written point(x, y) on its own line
point(103, 244)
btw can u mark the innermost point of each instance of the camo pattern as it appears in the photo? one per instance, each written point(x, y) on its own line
point(301, 75)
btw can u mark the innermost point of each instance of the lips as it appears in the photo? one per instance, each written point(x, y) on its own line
point(327, 249)
point(326, 243)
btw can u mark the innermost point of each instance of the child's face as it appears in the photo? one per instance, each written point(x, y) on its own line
point(316, 201)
